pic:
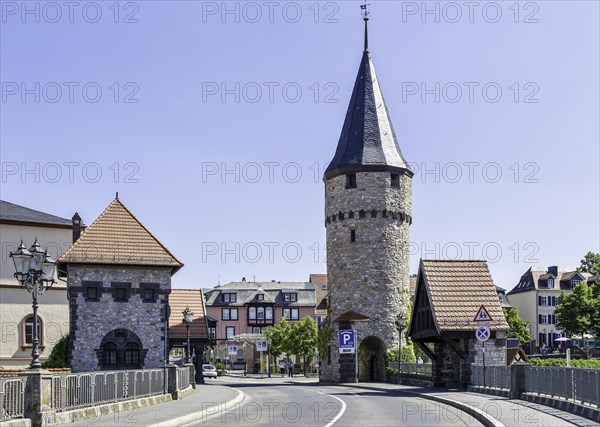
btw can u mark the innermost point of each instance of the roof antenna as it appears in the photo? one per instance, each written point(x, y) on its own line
point(365, 14)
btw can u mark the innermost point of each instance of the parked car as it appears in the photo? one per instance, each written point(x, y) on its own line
point(209, 371)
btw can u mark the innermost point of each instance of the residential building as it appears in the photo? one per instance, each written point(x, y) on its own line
point(537, 294)
point(54, 234)
point(244, 309)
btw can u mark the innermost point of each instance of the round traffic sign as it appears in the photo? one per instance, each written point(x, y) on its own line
point(483, 334)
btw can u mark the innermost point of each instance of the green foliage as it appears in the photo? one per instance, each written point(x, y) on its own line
point(58, 357)
point(518, 327)
point(220, 368)
point(408, 355)
point(590, 263)
point(575, 310)
point(300, 338)
point(391, 373)
point(575, 363)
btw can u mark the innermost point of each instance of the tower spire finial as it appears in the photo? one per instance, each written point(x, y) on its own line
point(365, 14)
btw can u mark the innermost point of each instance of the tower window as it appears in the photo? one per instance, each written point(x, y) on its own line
point(350, 180)
point(395, 180)
point(353, 235)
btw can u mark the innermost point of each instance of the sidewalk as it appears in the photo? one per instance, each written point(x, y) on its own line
point(491, 410)
point(206, 396)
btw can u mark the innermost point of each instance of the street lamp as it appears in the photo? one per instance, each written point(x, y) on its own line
point(34, 269)
point(400, 325)
point(188, 317)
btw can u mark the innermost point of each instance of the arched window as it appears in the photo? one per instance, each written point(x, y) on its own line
point(27, 336)
point(109, 354)
point(132, 354)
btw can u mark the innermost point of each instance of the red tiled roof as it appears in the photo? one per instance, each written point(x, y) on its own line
point(179, 299)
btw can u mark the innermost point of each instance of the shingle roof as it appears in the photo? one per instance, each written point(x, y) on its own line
point(456, 291)
point(179, 299)
point(530, 280)
point(12, 212)
point(247, 290)
point(118, 237)
point(368, 138)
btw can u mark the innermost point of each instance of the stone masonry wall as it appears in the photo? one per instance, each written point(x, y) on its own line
point(92, 320)
point(371, 275)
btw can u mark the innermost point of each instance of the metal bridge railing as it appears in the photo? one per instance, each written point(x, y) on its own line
point(12, 398)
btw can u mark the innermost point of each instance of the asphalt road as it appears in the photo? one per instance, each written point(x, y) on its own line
point(280, 404)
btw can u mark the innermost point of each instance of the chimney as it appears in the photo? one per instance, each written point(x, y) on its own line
point(76, 226)
point(554, 270)
point(243, 279)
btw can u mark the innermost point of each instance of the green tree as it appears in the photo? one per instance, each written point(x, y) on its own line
point(304, 339)
point(278, 336)
point(590, 263)
point(575, 310)
point(518, 327)
point(58, 357)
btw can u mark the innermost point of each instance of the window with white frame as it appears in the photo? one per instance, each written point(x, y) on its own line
point(260, 297)
point(550, 282)
point(269, 313)
point(252, 313)
point(229, 314)
point(212, 332)
point(28, 329)
point(256, 330)
point(542, 301)
point(290, 297)
point(229, 297)
point(542, 319)
point(260, 313)
point(229, 332)
point(291, 313)
point(574, 282)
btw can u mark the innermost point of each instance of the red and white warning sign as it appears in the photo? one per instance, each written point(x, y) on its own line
point(482, 315)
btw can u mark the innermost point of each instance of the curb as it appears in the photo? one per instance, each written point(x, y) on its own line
point(476, 413)
point(196, 416)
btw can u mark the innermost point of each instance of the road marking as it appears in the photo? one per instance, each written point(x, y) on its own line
point(338, 416)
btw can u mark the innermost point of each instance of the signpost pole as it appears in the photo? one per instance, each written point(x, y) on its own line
point(356, 366)
point(483, 342)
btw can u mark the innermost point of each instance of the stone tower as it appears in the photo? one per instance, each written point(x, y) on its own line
point(368, 193)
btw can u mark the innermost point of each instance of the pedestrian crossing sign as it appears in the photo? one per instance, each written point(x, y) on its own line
point(482, 315)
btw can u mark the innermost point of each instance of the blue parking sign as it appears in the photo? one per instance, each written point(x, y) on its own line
point(347, 341)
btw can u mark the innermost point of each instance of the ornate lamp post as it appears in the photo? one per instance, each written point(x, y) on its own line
point(188, 317)
point(400, 325)
point(34, 269)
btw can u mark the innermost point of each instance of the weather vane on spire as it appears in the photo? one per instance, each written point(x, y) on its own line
point(365, 11)
point(365, 14)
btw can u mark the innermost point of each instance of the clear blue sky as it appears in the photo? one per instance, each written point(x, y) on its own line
point(541, 131)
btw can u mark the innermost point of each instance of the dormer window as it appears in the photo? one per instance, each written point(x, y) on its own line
point(550, 283)
point(290, 297)
point(260, 297)
point(350, 180)
point(229, 297)
point(574, 282)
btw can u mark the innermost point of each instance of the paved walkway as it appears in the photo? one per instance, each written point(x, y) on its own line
point(202, 398)
point(509, 412)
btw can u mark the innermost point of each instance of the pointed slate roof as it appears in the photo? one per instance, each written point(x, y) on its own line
point(368, 140)
point(118, 237)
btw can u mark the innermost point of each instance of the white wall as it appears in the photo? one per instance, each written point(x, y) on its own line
point(15, 301)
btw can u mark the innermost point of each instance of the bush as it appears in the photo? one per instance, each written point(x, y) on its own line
point(391, 373)
point(220, 369)
point(58, 357)
point(575, 363)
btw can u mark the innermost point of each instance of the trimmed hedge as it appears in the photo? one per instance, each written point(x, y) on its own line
point(575, 363)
